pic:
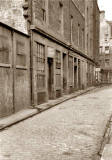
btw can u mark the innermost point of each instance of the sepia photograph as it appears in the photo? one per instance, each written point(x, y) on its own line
point(55, 79)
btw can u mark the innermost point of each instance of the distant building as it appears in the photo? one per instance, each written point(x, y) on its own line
point(64, 40)
point(105, 59)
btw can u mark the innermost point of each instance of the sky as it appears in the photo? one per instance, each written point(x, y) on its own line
point(107, 6)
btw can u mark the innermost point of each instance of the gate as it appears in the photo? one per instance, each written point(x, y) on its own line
point(6, 73)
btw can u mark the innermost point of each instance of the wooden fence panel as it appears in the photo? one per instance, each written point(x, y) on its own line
point(6, 73)
point(22, 83)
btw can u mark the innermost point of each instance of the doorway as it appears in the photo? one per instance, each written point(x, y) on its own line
point(50, 78)
point(64, 72)
point(75, 73)
point(75, 77)
point(79, 75)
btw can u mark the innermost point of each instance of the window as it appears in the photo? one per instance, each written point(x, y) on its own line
point(71, 26)
point(101, 49)
point(87, 42)
point(87, 16)
point(4, 55)
point(70, 70)
point(4, 49)
point(61, 16)
point(58, 59)
point(107, 49)
point(58, 69)
point(61, 3)
point(44, 15)
point(83, 38)
point(20, 51)
point(106, 62)
point(40, 61)
point(43, 3)
point(78, 34)
point(106, 35)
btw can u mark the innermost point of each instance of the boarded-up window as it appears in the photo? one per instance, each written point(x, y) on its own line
point(4, 50)
point(4, 55)
point(20, 51)
point(40, 67)
point(58, 59)
point(58, 69)
point(70, 70)
point(58, 78)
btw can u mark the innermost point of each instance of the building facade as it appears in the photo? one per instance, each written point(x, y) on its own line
point(92, 28)
point(105, 59)
point(62, 39)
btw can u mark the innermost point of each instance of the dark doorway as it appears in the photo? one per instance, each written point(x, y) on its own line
point(75, 77)
point(50, 78)
point(75, 73)
point(64, 72)
point(79, 75)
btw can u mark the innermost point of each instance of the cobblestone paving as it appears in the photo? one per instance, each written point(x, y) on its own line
point(72, 130)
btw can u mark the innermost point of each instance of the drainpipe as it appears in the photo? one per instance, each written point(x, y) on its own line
point(31, 56)
point(28, 14)
point(70, 16)
point(13, 69)
point(31, 68)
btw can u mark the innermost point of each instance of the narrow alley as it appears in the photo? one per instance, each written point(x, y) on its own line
point(72, 130)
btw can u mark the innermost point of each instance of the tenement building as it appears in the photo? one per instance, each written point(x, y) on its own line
point(48, 48)
point(92, 28)
point(105, 58)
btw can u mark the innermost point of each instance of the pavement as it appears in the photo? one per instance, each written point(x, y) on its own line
point(73, 130)
point(107, 146)
point(31, 111)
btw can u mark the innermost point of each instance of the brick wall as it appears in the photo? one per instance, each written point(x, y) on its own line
point(11, 13)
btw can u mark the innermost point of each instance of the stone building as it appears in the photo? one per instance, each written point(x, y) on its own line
point(92, 28)
point(62, 36)
point(105, 58)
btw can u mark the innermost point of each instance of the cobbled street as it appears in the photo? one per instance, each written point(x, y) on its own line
point(72, 130)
